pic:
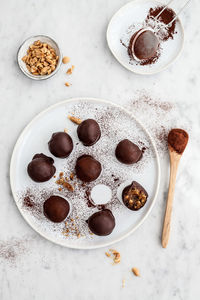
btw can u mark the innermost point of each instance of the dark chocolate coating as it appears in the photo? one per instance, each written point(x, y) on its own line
point(134, 196)
point(89, 132)
point(56, 209)
point(102, 222)
point(60, 144)
point(127, 152)
point(87, 168)
point(146, 45)
point(41, 168)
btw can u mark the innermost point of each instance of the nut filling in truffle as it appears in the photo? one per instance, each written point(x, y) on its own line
point(134, 196)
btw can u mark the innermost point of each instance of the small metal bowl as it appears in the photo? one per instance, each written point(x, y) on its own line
point(23, 51)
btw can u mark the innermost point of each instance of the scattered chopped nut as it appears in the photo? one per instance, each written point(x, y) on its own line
point(68, 186)
point(65, 130)
point(65, 59)
point(67, 84)
point(123, 283)
point(75, 120)
point(70, 70)
point(41, 59)
point(71, 228)
point(64, 182)
point(116, 256)
point(71, 176)
point(135, 271)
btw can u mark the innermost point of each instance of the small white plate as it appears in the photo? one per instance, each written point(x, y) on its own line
point(120, 29)
point(34, 139)
point(23, 51)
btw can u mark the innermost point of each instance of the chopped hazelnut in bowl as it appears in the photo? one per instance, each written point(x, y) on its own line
point(39, 57)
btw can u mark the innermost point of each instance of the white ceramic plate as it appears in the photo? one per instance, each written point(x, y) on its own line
point(121, 28)
point(34, 140)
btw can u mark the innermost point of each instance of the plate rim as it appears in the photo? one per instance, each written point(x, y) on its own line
point(17, 145)
point(121, 62)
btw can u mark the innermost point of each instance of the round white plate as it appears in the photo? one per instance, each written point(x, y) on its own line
point(116, 124)
point(128, 20)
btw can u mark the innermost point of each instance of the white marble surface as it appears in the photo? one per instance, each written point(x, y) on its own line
point(45, 271)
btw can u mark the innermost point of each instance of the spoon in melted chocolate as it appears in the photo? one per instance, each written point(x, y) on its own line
point(177, 142)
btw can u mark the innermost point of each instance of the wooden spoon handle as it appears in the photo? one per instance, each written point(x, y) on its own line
point(166, 225)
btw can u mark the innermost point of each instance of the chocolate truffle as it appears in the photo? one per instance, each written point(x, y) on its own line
point(127, 152)
point(87, 168)
point(61, 144)
point(41, 168)
point(134, 196)
point(89, 132)
point(145, 46)
point(102, 222)
point(56, 209)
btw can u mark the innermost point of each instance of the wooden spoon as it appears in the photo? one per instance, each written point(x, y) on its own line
point(177, 142)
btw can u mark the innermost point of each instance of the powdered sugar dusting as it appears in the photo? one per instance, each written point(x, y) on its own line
point(158, 116)
point(115, 125)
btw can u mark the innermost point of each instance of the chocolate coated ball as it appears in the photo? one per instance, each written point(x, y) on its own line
point(56, 209)
point(146, 45)
point(61, 144)
point(41, 168)
point(127, 152)
point(89, 132)
point(102, 222)
point(134, 196)
point(87, 168)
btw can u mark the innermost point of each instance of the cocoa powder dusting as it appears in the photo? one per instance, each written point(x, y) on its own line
point(158, 116)
point(178, 139)
point(29, 202)
point(12, 249)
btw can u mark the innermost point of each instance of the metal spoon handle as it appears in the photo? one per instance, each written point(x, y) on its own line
point(182, 8)
point(165, 7)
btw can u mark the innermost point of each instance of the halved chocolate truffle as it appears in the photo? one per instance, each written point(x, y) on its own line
point(56, 209)
point(127, 152)
point(134, 196)
point(145, 46)
point(41, 168)
point(89, 132)
point(102, 222)
point(61, 144)
point(87, 168)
